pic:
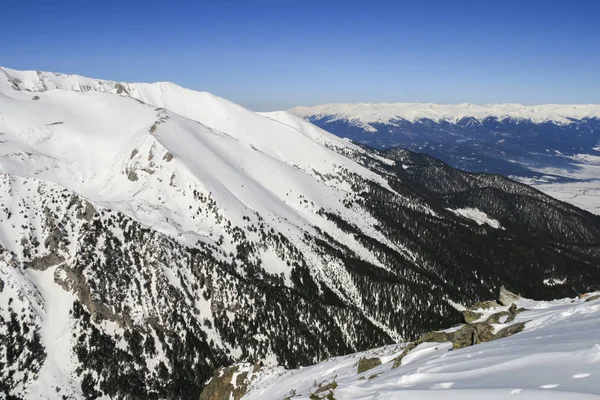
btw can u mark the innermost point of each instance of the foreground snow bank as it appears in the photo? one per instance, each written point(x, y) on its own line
point(557, 356)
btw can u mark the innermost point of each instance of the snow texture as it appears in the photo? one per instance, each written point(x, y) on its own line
point(557, 356)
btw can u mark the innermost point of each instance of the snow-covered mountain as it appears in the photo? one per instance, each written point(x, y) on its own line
point(151, 234)
point(367, 114)
point(556, 356)
point(555, 147)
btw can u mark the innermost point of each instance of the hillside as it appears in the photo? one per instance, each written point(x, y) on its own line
point(151, 234)
point(556, 356)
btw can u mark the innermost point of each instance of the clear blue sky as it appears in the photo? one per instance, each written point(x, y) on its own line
point(276, 54)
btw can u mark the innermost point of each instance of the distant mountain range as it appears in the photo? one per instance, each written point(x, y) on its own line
point(150, 234)
point(510, 139)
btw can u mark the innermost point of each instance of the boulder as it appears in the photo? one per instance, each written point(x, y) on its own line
point(592, 298)
point(471, 334)
point(511, 313)
point(470, 316)
point(435, 336)
point(507, 298)
point(509, 330)
point(365, 364)
point(495, 318)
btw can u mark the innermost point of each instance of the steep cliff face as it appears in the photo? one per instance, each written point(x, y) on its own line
point(150, 235)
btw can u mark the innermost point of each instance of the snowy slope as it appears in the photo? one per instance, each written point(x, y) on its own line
point(557, 356)
point(123, 161)
point(367, 113)
point(150, 234)
point(584, 194)
point(79, 156)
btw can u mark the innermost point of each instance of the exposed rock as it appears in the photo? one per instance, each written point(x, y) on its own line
point(592, 298)
point(467, 335)
point(168, 156)
point(471, 334)
point(435, 336)
point(221, 386)
point(484, 305)
point(507, 298)
point(326, 387)
point(73, 281)
point(132, 176)
point(509, 330)
point(241, 378)
point(53, 244)
point(513, 311)
point(495, 318)
point(88, 212)
point(409, 347)
point(45, 262)
point(470, 316)
point(365, 364)
point(121, 89)
point(256, 367)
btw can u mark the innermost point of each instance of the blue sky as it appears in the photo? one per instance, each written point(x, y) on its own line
point(276, 54)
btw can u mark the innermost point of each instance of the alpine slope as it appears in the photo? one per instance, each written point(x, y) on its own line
point(556, 356)
point(151, 234)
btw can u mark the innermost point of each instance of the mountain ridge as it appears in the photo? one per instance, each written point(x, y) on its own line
point(554, 147)
point(386, 113)
point(171, 239)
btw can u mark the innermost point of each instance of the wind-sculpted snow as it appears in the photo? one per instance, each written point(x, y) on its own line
point(151, 234)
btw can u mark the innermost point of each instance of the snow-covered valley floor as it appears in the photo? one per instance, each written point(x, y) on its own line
point(585, 194)
point(557, 356)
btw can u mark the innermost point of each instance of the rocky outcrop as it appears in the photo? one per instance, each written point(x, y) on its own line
point(484, 305)
point(509, 330)
point(365, 364)
point(225, 385)
point(471, 316)
point(495, 318)
point(506, 298)
point(73, 281)
point(472, 332)
point(407, 349)
point(592, 298)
